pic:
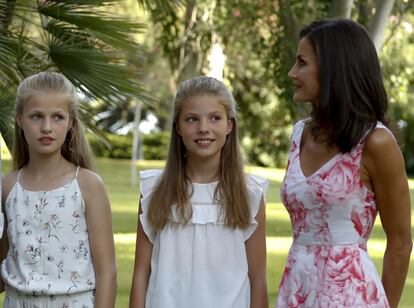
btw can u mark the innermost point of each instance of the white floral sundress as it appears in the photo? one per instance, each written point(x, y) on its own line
point(332, 215)
point(49, 258)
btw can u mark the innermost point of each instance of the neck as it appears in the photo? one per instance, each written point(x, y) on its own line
point(203, 171)
point(45, 164)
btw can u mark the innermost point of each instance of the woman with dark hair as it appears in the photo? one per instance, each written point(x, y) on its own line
point(344, 166)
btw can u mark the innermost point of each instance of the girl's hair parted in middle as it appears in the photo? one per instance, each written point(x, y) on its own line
point(174, 185)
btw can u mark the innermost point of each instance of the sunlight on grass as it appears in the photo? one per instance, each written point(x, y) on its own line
point(272, 174)
point(5, 154)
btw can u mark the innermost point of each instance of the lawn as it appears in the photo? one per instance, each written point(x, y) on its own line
point(124, 200)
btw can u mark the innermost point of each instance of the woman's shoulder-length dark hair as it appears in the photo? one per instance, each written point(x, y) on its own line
point(352, 93)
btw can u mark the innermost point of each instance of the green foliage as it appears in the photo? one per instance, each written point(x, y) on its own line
point(84, 40)
point(118, 146)
point(399, 78)
point(154, 145)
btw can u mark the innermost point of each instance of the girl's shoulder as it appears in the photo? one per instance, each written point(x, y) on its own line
point(88, 180)
point(10, 177)
point(90, 183)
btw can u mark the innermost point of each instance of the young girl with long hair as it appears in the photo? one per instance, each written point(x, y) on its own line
point(201, 227)
point(59, 242)
point(344, 167)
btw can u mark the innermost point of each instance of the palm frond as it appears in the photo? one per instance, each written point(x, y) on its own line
point(6, 112)
point(99, 75)
point(99, 24)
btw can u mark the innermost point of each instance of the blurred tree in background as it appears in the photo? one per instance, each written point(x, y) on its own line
point(259, 40)
point(81, 39)
point(143, 49)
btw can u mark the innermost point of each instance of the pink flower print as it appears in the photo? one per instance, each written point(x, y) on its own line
point(29, 248)
point(371, 293)
point(363, 220)
point(293, 147)
point(75, 276)
point(340, 180)
point(297, 213)
point(344, 284)
point(317, 219)
point(317, 192)
point(300, 290)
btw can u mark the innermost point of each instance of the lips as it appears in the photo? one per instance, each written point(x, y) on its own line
point(204, 142)
point(46, 140)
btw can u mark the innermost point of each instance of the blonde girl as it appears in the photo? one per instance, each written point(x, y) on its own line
point(201, 227)
point(59, 242)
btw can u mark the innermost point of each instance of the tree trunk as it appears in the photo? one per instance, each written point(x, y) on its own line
point(135, 143)
point(341, 8)
point(379, 22)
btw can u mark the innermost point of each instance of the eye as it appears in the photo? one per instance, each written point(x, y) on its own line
point(58, 117)
point(35, 116)
point(216, 118)
point(190, 119)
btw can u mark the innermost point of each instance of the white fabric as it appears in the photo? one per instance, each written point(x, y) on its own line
point(14, 299)
point(49, 250)
point(202, 264)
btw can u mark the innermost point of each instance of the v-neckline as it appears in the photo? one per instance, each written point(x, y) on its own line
point(327, 163)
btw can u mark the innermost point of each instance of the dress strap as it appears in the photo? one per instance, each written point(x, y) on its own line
point(77, 171)
point(18, 175)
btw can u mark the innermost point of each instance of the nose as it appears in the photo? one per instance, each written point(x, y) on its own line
point(47, 126)
point(202, 126)
point(292, 74)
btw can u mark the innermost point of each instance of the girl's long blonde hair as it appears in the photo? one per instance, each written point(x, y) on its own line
point(174, 185)
point(75, 148)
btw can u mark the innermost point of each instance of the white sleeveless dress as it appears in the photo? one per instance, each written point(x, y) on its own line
point(202, 264)
point(49, 262)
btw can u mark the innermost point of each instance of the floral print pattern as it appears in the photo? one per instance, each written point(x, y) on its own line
point(49, 245)
point(332, 215)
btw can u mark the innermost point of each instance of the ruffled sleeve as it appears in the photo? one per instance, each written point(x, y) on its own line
point(148, 180)
point(257, 187)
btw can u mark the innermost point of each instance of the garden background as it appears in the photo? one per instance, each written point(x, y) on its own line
point(127, 58)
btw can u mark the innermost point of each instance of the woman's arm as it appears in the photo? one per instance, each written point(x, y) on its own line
point(256, 258)
point(142, 268)
point(101, 240)
point(385, 165)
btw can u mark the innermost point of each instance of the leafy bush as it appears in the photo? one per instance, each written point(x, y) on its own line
point(154, 145)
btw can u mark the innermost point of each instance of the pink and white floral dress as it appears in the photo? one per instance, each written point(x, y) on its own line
point(332, 215)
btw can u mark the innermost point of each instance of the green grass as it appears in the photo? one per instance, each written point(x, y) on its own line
point(124, 200)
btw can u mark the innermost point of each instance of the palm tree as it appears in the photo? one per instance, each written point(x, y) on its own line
point(82, 39)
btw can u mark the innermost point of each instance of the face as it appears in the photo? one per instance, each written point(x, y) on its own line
point(45, 122)
point(203, 126)
point(305, 74)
